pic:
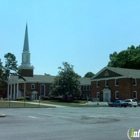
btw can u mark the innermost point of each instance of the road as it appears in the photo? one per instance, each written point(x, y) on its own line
point(68, 123)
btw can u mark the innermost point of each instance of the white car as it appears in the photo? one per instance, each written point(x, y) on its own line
point(131, 102)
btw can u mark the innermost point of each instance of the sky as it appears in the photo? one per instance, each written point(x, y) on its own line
point(81, 32)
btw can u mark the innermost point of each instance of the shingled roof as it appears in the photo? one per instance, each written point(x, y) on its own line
point(45, 79)
point(124, 72)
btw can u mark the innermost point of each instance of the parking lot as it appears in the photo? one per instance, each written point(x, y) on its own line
point(68, 123)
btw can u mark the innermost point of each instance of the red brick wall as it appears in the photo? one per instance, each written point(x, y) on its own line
point(125, 88)
point(37, 88)
point(26, 72)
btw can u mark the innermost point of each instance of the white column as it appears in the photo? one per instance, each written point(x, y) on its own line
point(17, 89)
point(14, 92)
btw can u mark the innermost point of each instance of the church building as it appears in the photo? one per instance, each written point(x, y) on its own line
point(36, 85)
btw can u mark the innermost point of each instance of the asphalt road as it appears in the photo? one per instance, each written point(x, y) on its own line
point(67, 123)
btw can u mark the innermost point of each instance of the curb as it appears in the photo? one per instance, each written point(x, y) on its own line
point(2, 115)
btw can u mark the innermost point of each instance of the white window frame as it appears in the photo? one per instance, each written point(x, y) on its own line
point(97, 83)
point(116, 82)
point(32, 86)
point(84, 88)
point(116, 92)
point(98, 95)
point(43, 91)
point(89, 87)
point(135, 92)
point(135, 82)
point(106, 81)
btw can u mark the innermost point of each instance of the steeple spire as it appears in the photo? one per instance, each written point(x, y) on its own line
point(26, 43)
point(26, 68)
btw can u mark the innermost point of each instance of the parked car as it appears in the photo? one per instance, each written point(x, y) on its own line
point(138, 103)
point(131, 102)
point(118, 103)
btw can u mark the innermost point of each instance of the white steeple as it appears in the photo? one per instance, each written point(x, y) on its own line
point(26, 53)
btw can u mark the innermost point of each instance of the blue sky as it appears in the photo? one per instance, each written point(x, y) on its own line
point(80, 32)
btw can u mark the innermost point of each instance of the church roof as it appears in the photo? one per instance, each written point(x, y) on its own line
point(122, 72)
point(44, 79)
point(26, 43)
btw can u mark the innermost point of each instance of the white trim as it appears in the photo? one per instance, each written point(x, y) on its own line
point(97, 83)
point(106, 95)
point(98, 95)
point(116, 82)
point(116, 92)
point(106, 83)
point(109, 78)
point(135, 82)
point(33, 86)
point(136, 94)
point(41, 89)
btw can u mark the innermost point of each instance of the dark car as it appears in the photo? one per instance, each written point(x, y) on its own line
point(118, 103)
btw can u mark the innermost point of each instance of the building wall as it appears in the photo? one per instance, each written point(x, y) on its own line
point(37, 87)
point(26, 72)
point(125, 88)
point(86, 89)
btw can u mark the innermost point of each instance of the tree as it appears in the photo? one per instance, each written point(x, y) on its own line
point(10, 64)
point(66, 82)
point(89, 75)
point(129, 58)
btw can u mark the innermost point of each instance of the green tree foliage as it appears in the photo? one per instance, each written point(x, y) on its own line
point(10, 64)
point(129, 58)
point(89, 75)
point(66, 82)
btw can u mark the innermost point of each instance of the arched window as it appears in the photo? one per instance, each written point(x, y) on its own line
point(42, 90)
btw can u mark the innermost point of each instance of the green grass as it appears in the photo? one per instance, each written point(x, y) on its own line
point(26, 104)
point(7, 104)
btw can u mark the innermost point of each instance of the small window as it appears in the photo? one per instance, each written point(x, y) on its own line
point(116, 82)
point(98, 95)
point(106, 83)
point(97, 83)
point(84, 88)
point(89, 87)
point(32, 86)
point(117, 95)
point(135, 94)
point(134, 82)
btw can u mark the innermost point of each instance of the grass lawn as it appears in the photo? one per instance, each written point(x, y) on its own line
point(7, 104)
point(26, 104)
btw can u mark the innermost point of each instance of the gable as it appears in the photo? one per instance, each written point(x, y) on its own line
point(106, 73)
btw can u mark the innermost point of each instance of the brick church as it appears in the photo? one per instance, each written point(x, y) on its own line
point(110, 84)
point(36, 85)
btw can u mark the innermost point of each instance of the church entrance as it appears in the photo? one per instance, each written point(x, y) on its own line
point(106, 95)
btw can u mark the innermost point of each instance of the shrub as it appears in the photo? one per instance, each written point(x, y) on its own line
point(20, 99)
point(45, 98)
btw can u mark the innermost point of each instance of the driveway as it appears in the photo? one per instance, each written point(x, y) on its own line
point(68, 123)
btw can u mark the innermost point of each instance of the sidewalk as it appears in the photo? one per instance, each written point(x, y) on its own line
point(97, 103)
point(37, 103)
